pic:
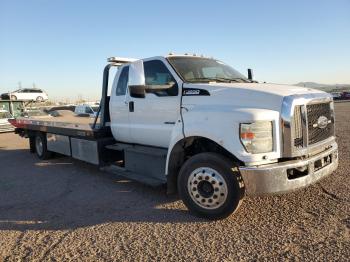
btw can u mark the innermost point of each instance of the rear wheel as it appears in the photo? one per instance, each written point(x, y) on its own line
point(39, 99)
point(210, 186)
point(13, 97)
point(41, 146)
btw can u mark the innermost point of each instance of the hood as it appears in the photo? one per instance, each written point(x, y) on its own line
point(253, 95)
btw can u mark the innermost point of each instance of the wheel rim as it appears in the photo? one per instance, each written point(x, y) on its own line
point(39, 99)
point(207, 188)
point(39, 145)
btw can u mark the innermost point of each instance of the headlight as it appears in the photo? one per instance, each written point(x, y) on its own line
point(257, 137)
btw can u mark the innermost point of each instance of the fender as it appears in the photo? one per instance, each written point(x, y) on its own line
point(207, 122)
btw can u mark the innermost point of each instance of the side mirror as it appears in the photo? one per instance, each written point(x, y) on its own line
point(250, 74)
point(137, 91)
point(137, 87)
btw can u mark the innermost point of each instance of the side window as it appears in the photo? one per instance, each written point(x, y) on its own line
point(88, 110)
point(157, 74)
point(122, 82)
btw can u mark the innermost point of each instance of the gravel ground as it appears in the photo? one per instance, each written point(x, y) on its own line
point(64, 209)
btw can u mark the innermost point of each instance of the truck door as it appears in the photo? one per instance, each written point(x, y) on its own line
point(119, 106)
point(152, 118)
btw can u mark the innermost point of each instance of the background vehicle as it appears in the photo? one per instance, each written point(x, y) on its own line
point(86, 110)
point(200, 127)
point(29, 94)
point(336, 95)
point(15, 108)
point(5, 126)
point(345, 96)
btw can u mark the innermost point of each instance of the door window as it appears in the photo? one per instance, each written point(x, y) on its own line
point(122, 82)
point(157, 74)
point(88, 110)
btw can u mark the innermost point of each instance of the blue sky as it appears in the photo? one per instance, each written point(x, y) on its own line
point(62, 46)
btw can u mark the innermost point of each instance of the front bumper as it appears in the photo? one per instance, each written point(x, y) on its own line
point(280, 177)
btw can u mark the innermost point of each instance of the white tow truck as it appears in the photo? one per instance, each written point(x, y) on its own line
point(200, 127)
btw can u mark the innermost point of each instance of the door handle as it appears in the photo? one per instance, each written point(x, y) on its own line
point(131, 106)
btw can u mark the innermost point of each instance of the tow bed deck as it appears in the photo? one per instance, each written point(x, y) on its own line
point(69, 135)
point(64, 125)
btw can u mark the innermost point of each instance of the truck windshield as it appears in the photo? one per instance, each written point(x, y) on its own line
point(205, 70)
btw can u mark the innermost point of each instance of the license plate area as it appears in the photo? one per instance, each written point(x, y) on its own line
point(322, 162)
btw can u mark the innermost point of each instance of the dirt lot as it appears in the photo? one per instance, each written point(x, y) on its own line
point(64, 209)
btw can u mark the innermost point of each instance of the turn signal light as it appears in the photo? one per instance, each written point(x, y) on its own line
point(247, 135)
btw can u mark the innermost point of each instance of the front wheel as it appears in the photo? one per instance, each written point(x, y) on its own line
point(209, 186)
point(13, 97)
point(39, 99)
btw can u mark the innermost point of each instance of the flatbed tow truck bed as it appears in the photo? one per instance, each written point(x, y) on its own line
point(67, 124)
point(79, 137)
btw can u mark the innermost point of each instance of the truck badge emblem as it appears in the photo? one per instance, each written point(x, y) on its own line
point(192, 92)
point(322, 122)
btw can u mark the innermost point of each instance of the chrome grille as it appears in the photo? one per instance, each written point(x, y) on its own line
point(311, 130)
point(296, 139)
point(298, 128)
point(314, 112)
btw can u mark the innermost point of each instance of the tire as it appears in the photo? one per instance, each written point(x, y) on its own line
point(13, 97)
point(41, 147)
point(32, 144)
point(39, 99)
point(209, 187)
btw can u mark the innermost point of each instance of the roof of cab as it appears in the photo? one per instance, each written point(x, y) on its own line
point(125, 60)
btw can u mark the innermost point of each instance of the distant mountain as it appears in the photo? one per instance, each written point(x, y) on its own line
point(324, 87)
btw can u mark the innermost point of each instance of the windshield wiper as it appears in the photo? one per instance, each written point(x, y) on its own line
point(212, 79)
point(219, 79)
point(206, 79)
point(239, 80)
